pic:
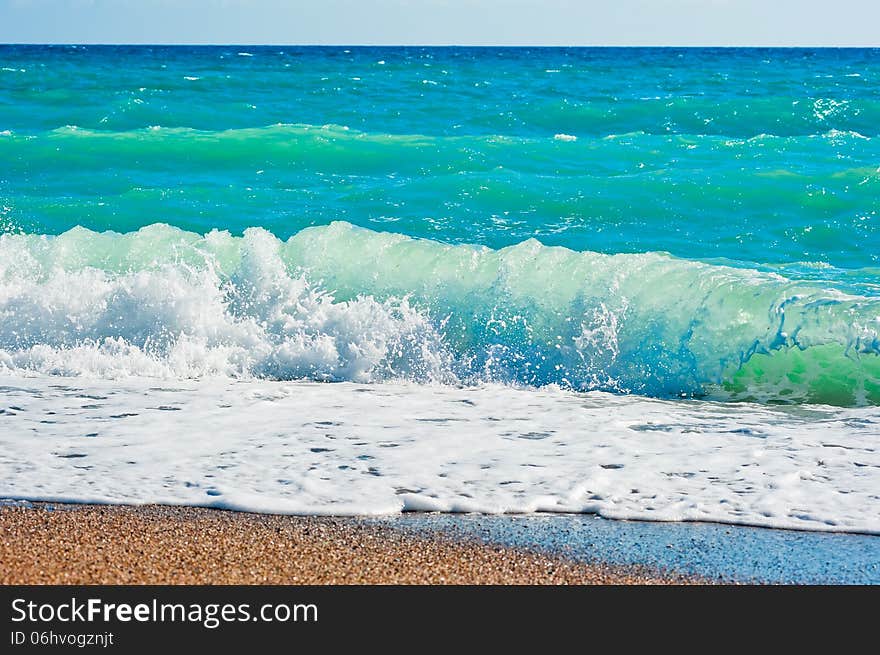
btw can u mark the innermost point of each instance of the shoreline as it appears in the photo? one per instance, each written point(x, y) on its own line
point(49, 543)
point(348, 449)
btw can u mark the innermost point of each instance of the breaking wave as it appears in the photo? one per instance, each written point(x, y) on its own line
point(338, 302)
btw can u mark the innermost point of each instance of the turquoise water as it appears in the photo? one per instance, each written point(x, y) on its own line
point(656, 221)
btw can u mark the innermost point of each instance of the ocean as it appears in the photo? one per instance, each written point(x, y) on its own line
point(641, 282)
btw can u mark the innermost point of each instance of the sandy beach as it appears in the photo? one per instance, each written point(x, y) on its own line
point(80, 544)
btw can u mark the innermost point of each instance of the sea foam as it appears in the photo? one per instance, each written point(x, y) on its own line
point(310, 448)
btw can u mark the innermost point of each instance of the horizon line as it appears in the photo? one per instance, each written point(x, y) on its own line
point(440, 45)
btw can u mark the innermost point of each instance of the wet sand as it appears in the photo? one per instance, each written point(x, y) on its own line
point(44, 543)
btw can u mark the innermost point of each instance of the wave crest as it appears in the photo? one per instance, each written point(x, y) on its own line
point(343, 303)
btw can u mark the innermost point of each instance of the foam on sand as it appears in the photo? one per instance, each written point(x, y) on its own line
point(312, 448)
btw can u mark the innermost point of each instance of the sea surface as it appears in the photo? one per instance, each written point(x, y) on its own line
point(642, 283)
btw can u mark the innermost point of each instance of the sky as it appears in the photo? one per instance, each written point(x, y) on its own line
point(445, 22)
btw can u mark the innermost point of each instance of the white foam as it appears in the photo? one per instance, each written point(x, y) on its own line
point(312, 448)
point(565, 137)
point(181, 321)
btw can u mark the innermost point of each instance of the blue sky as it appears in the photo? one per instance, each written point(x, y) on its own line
point(476, 22)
